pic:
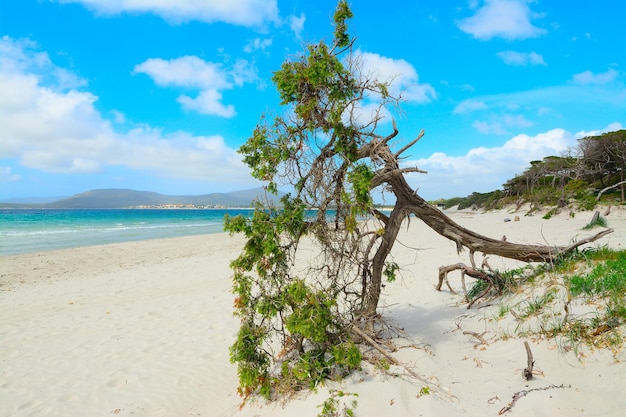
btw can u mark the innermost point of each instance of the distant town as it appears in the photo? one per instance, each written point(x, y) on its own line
point(181, 206)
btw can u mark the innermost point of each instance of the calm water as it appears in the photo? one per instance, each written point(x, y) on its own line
point(34, 230)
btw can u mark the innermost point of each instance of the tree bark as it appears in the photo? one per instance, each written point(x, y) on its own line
point(476, 242)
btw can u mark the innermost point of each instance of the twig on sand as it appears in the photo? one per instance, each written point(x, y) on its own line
point(477, 336)
point(394, 361)
point(525, 392)
point(527, 373)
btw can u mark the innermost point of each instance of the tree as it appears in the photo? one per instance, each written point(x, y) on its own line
point(301, 323)
point(603, 158)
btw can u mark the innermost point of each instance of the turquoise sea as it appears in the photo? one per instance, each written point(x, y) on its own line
point(37, 230)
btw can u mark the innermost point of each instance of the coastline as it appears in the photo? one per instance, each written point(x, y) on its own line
point(143, 328)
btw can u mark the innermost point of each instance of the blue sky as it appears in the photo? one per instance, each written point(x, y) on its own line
point(158, 95)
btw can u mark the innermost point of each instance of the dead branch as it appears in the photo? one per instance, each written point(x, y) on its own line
point(375, 345)
point(413, 142)
point(525, 392)
point(608, 188)
point(394, 361)
point(590, 239)
point(477, 336)
point(474, 273)
point(527, 373)
point(476, 242)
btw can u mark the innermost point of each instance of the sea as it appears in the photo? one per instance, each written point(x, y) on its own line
point(38, 230)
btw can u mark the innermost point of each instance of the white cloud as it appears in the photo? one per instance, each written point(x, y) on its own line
point(7, 175)
point(251, 13)
point(467, 106)
point(610, 128)
point(188, 71)
point(588, 77)
point(51, 130)
point(499, 123)
point(489, 127)
point(192, 72)
point(507, 19)
point(402, 75)
point(485, 169)
point(296, 24)
point(521, 58)
point(207, 102)
point(257, 44)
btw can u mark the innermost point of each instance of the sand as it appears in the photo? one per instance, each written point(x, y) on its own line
point(143, 329)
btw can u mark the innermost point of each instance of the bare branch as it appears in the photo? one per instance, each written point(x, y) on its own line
point(383, 177)
point(413, 142)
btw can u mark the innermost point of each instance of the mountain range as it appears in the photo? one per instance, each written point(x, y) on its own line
point(125, 198)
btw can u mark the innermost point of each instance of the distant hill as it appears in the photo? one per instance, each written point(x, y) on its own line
point(124, 198)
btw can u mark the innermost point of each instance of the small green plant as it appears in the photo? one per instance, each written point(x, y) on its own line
point(391, 268)
point(330, 407)
point(599, 222)
point(425, 390)
point(550, 213)
point(503, 310)
point(383, 364)
point(603, 284)
point(537, 304)
point(607, 280)
point(478, 287)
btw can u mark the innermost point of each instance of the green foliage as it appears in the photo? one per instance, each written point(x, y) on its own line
point(295, 326)
point(330, 407)
point(478, 287)
point(343, 13)
point(311, 316)
point(361, 179)
point(390, 271)
point(488, 201)
point(605, 278)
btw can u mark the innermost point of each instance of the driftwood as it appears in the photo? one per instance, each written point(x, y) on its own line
point(526, 252)
point(525, 392)
point(527, 373)
point(608, 188)
point(476, 242)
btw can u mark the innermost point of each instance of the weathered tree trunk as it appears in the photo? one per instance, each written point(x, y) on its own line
point(392, 228)
point(475, 242)
point(409, 202)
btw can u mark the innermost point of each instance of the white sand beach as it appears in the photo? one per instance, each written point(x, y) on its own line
point(143, 329)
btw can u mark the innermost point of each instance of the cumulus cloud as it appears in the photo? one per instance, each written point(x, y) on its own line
point(521, 58)
point(208, 77)
point(250, 13)
point(485, 169)
point(506, 19)
point(53, 130)
point(589, 78)
point(401, 74)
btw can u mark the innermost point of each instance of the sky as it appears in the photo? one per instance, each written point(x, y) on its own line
point(158, 95)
